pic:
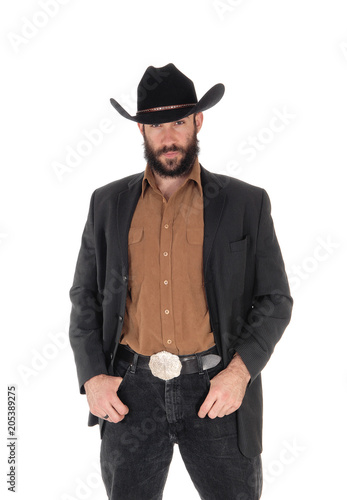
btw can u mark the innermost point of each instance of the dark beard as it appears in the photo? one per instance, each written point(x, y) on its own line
point(173, 167)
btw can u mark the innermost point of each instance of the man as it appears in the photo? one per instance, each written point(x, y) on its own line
point(179, 297)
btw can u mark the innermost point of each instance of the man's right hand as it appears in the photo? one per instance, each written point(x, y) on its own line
point(102, 397)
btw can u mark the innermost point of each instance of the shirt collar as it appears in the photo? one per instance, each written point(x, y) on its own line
point(195, 175)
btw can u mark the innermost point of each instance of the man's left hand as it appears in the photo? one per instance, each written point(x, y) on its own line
point(227, 390)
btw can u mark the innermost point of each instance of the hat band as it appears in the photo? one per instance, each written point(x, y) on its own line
point(164, 108)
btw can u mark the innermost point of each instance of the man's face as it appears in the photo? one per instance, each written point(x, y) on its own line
point(171, 148)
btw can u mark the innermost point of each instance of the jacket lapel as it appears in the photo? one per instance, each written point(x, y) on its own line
point(214, 200)
point(126, 204)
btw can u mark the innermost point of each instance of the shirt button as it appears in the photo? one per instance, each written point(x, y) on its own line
point(165, 254)
point(166, 226)
point(166, 311)
point(169, 341)
point(166, 282)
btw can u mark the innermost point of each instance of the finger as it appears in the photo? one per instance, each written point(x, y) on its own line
point(119, 406)
point(227, 410)
point(117, 381)
point(101, 414)
point(206, 405)
point(113, 415)
point(217, 410)
point(230, 410)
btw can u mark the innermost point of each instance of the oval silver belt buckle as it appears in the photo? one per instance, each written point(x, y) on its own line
point(165, 365)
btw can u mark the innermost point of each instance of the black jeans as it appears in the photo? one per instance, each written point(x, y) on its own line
point(136, 452)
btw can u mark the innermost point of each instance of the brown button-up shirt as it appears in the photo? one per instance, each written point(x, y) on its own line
point(166, 306)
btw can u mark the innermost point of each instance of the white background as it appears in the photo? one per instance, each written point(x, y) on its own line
point(273, 57)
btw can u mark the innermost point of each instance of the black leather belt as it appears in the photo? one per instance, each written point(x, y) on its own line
point(189, 363)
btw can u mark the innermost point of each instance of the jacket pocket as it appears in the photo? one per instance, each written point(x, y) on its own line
point(238, 259)
point(238, 246)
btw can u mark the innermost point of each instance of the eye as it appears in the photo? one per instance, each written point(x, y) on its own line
point(155, 125)
point(180, 122)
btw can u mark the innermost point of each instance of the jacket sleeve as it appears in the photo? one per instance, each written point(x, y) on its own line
point(271, 303)
point(85, 331)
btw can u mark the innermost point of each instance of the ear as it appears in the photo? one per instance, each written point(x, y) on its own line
point(141, 127)
point(199, 118)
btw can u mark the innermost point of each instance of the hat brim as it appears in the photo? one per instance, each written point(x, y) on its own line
point(211, 98)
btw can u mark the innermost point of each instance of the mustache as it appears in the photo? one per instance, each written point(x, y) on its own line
point(169, 149)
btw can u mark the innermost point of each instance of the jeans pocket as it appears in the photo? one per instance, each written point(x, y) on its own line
point(212, 372)
point(121, 369)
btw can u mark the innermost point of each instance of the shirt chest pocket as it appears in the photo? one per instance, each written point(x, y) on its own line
point(136, 255)
point(194, 255)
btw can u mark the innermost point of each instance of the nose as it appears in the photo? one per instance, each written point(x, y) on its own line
point(168, 136)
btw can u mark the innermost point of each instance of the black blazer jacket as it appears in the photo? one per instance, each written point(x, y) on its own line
point(245, 281)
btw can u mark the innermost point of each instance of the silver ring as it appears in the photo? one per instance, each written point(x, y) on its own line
point(105, 417)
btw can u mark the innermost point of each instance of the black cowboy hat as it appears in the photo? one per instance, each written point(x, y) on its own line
point(166, 95)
